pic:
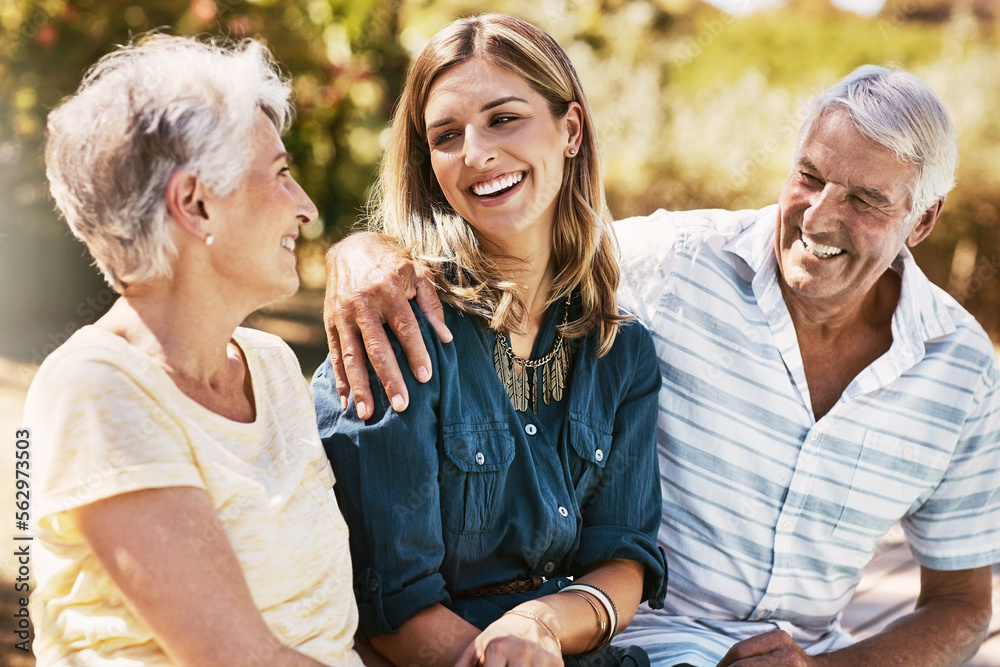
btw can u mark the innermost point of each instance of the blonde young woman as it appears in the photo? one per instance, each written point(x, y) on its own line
point(178, 475)
point(509, 514)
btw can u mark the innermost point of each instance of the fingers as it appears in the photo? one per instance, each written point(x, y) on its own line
point(383, 360)
point(404, 326)
point(771, 649)
point(369, 284)
point(333, 335)
point(469, 658)
point(507, 652)
point(358, 343)
point(514, 641)
point(430, 305)
point(337, 363)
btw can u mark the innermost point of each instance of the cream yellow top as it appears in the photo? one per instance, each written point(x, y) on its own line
point(106, 420)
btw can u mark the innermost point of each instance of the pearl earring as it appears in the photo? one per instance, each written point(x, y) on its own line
point(209, 239)
point(572, 152)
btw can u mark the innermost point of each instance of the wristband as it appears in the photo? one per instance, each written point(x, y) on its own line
point(604, 637)
point(604, 598)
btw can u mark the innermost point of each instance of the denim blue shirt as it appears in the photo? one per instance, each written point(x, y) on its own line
point(461, 491)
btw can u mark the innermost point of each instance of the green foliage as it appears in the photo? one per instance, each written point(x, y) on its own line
point(694, 108)
point(340, 92)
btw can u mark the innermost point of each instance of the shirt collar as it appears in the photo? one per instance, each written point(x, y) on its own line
point(920, 316)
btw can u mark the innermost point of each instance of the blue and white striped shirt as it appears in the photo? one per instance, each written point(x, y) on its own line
point(769, 516)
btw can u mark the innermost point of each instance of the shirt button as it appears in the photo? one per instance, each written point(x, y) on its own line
point(530, 429)
point(599, 455)
point(785, 526)
point(480, 459)
point(814, 436)
point(563, 511)
point(373, 584)
point(549, 568)
point(907, 452)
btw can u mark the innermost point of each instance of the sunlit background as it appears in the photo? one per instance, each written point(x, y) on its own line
point(697, 106)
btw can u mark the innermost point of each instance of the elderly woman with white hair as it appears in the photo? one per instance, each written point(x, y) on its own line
point(182, 496)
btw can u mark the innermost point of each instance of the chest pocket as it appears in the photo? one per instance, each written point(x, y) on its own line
point(475, 470)
point(893, 476)
point(590, 446)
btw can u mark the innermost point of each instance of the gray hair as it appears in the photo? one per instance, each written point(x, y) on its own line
point(901, 112)
point(142, 112)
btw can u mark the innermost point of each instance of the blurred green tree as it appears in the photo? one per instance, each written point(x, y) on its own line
point(347, 66)
point(695, 108)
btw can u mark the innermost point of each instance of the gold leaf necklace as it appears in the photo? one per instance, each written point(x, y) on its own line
point(513, 371)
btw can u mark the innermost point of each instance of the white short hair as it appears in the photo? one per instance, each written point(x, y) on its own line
point(901, 112)
point(142, 112)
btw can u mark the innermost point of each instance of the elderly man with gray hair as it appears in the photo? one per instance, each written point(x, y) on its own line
point(817, 389)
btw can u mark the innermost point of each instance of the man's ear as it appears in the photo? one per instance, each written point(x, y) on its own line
point(184, 202)
point(925, 224)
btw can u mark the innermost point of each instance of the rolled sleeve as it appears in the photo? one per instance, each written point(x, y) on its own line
point(622, 518)
point(387, 486)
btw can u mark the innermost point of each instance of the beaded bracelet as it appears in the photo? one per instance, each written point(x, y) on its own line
point(603, 639)
point(528, 614)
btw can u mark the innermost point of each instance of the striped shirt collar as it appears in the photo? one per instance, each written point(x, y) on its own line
point(922, 314)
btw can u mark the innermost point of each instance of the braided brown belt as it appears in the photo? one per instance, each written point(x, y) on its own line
point(533, 583)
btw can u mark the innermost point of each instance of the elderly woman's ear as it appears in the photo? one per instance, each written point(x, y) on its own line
point(186, 196)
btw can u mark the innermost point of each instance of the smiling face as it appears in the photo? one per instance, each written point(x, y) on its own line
point(498, 153)
point(843, 216)
point(258, 222)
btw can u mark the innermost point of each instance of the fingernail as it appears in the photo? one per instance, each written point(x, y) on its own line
point(343, 402)
point(398, 404)
point(362, 408)
point(423, 375)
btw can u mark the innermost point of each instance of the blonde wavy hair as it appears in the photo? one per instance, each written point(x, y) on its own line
point(410, 208)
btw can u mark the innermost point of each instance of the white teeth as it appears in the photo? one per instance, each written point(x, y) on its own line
point(288, 243)
point(820, 250)
point(497, 184)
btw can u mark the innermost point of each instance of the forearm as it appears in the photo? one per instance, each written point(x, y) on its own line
point(199, 607)
point(939, 634)
point(435, 636)
point(574, 621)
point(949, 624)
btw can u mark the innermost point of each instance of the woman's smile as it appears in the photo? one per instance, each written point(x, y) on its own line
point(497, 152)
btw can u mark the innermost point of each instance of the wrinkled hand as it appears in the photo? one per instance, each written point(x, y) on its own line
point(369, 284)
point(515, 641)
point(771, 649)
